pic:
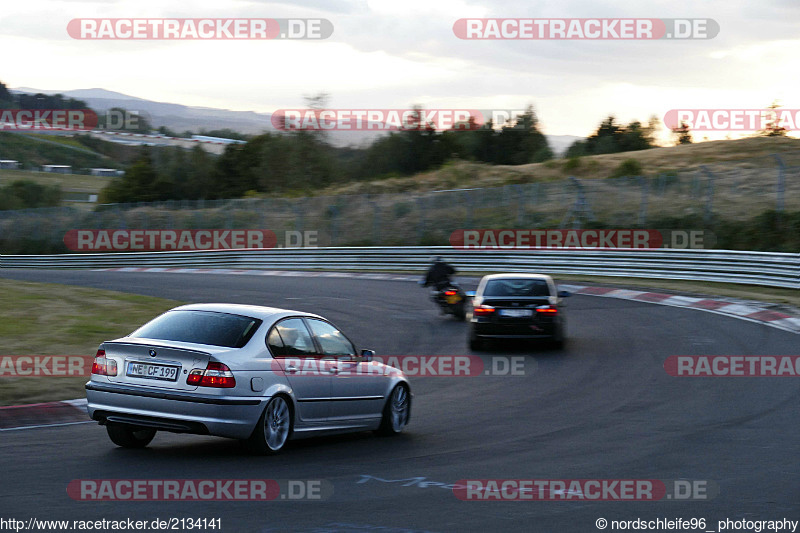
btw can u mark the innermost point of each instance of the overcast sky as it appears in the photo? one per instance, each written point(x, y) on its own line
point(395, 53)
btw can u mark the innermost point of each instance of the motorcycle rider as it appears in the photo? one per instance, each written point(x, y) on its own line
point(438, 275)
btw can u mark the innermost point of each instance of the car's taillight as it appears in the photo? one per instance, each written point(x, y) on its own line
point(215, 375)
point(547, 310)
point(483, 310)
point(450, 293)
point(103, 366)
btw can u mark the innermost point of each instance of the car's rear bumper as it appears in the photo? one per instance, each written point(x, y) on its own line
point(517, 330)
point(224, 416)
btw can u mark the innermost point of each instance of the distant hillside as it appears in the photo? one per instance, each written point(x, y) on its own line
point(34, 150)
point(751, 153)
point(180, 118)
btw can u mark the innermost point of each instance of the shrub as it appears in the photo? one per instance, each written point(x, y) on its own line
point(629, 167)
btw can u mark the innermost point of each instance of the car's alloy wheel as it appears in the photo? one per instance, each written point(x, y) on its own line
point(397, 411)
point(277, 423)
point(274, 427)
point(130, 436)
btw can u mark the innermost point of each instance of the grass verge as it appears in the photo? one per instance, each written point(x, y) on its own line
point(72, 182)
point(50, 319)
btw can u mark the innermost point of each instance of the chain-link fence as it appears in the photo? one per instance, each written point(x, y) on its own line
point(732, 191)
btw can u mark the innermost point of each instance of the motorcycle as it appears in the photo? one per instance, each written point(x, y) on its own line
point(451, 299)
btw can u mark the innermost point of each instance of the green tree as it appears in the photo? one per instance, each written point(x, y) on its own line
point(141, 183)
point(773, 127)
point(6, 98)
point(26, 194)
point(682, 134)
point(49, 101)
point(611, 138)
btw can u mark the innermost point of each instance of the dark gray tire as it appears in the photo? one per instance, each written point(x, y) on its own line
point(476, 344)
point(130, 436)
point(558, 340)
point(396, 412)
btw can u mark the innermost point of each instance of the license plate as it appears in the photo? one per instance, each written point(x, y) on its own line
point(150, 371)
point(516, 313)
point(454, 299)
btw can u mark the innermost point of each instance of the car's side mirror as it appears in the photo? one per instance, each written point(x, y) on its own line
point(564, 294)
point(367, 355)
point(470, 294)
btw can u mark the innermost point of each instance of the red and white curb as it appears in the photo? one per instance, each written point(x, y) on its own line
point(42, 415)
point(746, 310)
point(757, 312)
point(284, 273)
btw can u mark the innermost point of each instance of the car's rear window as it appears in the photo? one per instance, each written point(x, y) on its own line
point(202, 327)
point(516, 287)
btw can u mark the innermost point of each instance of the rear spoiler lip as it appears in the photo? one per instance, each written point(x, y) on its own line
point(155, 343)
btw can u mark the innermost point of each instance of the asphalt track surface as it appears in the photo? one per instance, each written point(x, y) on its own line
point(602, 408)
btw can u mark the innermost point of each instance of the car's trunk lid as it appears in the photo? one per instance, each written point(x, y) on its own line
point(152, 363)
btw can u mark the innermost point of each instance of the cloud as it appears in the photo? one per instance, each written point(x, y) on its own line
point(392, 54)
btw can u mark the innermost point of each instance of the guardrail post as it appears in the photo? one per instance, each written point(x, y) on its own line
point(229, 217)
point(333, 211)
point(781, 185)
point(376, 221)
point(695, 185)
point(171, 213)
point(421, 219)
point(709, 194)
point(579, 210)
point(121, 224)
point(520, 204)
point(534, 192)
point(264, 210)
point(470, 208)
point(298, 217)
point(643, 208)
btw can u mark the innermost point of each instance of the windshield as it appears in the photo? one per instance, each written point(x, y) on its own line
point(516, 287)
point(201, 327)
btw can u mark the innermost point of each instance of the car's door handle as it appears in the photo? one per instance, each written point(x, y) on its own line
point(334, 370)
point(291, 369)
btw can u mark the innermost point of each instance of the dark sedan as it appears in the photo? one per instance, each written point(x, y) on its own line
point(517, 306)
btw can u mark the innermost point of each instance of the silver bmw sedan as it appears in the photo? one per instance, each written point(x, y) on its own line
point(259, 374)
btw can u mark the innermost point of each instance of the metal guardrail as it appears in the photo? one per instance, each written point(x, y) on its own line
point(751, 268)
